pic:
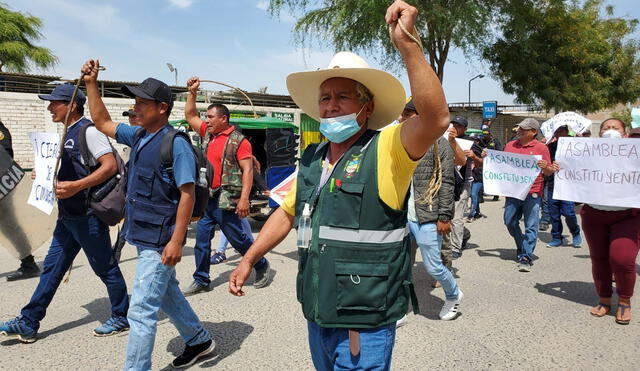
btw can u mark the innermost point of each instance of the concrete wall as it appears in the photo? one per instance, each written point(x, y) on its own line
point(23, 113)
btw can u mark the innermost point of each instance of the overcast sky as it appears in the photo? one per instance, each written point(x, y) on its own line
point(232, 41)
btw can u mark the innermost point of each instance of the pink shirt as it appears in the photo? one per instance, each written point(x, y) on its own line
point(532, 148)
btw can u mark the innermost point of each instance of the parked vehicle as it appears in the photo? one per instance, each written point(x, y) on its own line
point(275, 145)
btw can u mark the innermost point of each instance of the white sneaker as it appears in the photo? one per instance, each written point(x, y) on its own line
point(449, 310)
point(402, 321)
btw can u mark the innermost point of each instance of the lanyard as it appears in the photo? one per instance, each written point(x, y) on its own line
point(324, 178)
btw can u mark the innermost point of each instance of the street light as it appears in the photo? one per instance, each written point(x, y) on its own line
point(479, 76)
point(173, 69)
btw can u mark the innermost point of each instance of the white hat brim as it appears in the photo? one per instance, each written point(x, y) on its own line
point(388, 93)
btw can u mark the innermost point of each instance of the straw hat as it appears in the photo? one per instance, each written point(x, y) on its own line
point(388, 92)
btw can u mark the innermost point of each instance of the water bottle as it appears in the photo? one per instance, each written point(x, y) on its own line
point(202, 180)
point(304, 228)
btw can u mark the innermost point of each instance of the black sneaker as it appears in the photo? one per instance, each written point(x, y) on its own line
point(25, 271)
point(192, 353)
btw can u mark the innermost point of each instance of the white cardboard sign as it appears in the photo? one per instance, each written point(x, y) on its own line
point(577, 123)
point(598, 171)
point(46, 146)
point(509, 174)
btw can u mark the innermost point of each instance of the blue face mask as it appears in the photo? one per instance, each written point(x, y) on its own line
point(339, 129)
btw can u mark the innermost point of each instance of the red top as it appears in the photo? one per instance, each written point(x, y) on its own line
point(216, 149)
point(532, 148)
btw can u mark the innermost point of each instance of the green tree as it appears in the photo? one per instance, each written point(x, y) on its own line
point(18, 31)
point(566, 55)
point(360, 26)
point(623, 115)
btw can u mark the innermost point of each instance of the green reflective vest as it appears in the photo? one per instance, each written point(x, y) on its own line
point(356, 272)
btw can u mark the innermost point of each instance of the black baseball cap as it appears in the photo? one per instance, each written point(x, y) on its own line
point(410, 107)
point(460, 121)
point(152, 89)
point(64, 93)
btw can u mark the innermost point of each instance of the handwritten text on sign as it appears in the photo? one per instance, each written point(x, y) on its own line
point(509, 174)
point(598, 171)
point(45, 146)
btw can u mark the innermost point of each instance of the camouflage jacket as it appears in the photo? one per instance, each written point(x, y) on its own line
point(231, 179)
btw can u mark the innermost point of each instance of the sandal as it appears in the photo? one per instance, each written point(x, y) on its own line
point(599, 307)
point(622, 308)
point(218, 258)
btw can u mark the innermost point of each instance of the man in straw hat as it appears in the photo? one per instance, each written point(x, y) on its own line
point(354, 278)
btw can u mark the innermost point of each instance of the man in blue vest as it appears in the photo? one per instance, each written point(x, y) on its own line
point(157, 212)
point(76, 228)
point(354, 277)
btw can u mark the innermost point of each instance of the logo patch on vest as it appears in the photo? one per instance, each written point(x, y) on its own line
point(1, 135)
point(352, 166)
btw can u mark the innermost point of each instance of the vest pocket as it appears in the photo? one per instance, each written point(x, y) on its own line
point(346, 202)
point(148, 227)
point(361, 286)
point(145, 178)
point(302, 262)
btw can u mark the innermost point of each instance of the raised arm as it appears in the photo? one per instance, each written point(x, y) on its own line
point(458, 154)
point(190, 111)
point(99, 114)
point(421, 131)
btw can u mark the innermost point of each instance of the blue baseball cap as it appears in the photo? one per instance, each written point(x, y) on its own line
point(64, 93)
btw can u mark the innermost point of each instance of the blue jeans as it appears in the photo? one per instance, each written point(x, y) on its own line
point(231, 226)
point(69, 236)
point(514, 209)
point(430, 243)
point(156, 287)
point(476, 188)
point(559, 208)
point(224, 241)
point(546, 198)
point(330, 348)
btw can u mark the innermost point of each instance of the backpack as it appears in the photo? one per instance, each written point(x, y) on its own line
point(204, 171)
point(106, 199)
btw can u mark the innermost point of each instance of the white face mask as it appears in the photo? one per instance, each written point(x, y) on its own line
point(611, 134)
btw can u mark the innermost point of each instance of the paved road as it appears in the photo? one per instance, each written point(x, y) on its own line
point(536, 320)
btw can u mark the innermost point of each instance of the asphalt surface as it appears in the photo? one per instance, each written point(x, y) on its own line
point(536, 320)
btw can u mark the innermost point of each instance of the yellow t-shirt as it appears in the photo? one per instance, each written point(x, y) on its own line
point(395, 170)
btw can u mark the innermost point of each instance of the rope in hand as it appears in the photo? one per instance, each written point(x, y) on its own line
point(66, 126)
point(255, 115)
point(435, 183)
point(61, 147)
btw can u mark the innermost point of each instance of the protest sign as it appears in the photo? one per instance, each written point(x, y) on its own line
point(509, 174)
point(598, 171)
point(577, 123)
point(279, 192)
point(10, 174)
point(45, 146)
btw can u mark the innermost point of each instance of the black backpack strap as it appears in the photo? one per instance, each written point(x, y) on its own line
point(84, 147)
point(166, 150)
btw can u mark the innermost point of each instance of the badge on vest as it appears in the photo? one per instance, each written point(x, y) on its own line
point(352, 166)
